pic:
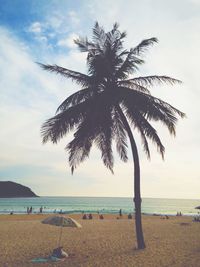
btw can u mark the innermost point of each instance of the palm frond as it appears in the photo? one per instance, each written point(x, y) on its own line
point(58, 126)
point(144, 142)
point(170, 107)
point(120, 136)
point(152, 80)
point(166, 113)
point(78, 77)
point(140, 128)
point(84, 45)
point(104, 124)
point(141, 47)
point(104, 143)
point(99, 34)
point(79, 148)
point(115, 27)
point(134, 86)
point(75, 99)
point(121, 35)
point(151, 107)
point(129, 65)
point(145, 128)
point(95, 127)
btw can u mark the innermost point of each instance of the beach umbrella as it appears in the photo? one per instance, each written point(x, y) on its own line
point(198, 208)
point(61, 221)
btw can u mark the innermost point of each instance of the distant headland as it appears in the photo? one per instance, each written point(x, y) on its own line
point(11, 189)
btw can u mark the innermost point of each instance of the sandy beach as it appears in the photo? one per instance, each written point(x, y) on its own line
point(108, 242)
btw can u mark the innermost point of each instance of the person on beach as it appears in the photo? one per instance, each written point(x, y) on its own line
point(84, 217)
point(101, 217)
point(120, 212)
point(41, 209)
point(90, 216)
point(59, 253)
point(130, 216)
point(31, 209)
point(27, 210)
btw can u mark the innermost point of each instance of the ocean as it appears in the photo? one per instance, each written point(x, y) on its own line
point(98, 204)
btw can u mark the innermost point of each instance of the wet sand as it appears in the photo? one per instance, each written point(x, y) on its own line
point(109, 242)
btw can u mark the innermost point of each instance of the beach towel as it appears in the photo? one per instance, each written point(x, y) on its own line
point(49, 259)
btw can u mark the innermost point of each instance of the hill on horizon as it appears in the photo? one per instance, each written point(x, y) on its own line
point(12, 189)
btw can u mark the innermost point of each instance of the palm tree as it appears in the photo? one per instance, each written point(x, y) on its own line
point(111, 102)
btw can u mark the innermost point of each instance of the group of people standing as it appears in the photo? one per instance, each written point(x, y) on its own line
point(30, 210)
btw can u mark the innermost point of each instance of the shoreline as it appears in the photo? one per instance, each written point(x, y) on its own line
point(97, 213)
point(110, 205)
point(78, 216)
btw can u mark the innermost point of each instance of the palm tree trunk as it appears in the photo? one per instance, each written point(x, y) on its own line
point(137, 197)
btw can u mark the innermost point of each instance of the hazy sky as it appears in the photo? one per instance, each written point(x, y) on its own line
point(32, 31)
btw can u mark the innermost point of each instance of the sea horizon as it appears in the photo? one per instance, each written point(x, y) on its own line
point(121, 197)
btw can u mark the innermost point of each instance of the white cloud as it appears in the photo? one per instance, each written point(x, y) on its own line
point(28, 97)
point(68, 41)
point(38, 30)
point(74, 18)
point(35, 27)
point(196, 2)
point(55, 21)
point(55, 27)
point(42, 39)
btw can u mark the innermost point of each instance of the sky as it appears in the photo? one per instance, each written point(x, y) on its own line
point(43, 31)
